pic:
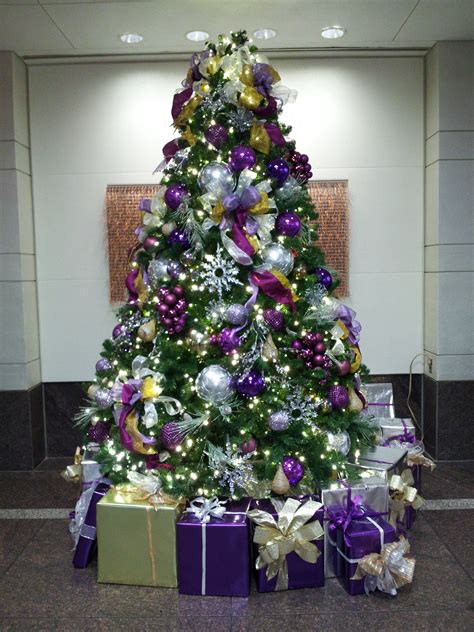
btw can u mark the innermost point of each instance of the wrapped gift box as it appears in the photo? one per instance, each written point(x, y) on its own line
point(83, 526)
point(363, 536)
point(395, 427)
point(379, 400)
point(137, 540)
point(301, 574)
point(214, 556)
point(373, 492)
point(380, 461)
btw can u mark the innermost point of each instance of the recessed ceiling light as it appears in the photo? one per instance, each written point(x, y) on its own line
point(131, 38)
point(197, 36)
point(333, 32)
point(264, 34)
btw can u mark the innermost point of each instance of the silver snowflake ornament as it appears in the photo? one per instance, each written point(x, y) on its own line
point(230, 466)
point(219, 273)
point(301, 407)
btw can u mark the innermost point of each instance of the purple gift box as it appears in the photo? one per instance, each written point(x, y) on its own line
point(87, 541)
point(214, 556)
point(301, 574)
point(362, 536)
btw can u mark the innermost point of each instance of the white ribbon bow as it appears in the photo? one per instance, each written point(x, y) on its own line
point(149, 483)
point(205, 508)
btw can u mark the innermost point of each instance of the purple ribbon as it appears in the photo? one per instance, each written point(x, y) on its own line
point(405, 437)
point(347, 315)
point(262, 79)
point(179, 100)
point(239, 205)
point(275, 134)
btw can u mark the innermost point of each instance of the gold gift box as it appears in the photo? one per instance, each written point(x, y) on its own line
point(136, 540)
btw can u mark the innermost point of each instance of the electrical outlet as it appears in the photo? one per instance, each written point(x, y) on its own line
point(429, 362)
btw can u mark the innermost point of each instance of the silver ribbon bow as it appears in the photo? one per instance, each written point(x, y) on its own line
point(207, 508)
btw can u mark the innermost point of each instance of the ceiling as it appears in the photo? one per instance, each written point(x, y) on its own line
point(44, 28)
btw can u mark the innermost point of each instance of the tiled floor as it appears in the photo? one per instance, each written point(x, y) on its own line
point(40, 590)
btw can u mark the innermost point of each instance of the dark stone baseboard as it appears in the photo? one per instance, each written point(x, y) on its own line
point(449, 419)
point(22, 426)
point(39, 422)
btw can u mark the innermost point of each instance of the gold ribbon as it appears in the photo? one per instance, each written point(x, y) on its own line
point(131, 426)
point(403, 495)
point(388, 570)
point(262, 207)
point(259, 138)
point(291, 533)
point(187, 111)
point(420, 459)
point(250, 98)
point(246, 76)
point(72, 473)
point(285, 282)
point(188, 136)
point(357, 361)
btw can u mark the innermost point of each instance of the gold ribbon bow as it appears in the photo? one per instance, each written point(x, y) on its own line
point(403, 495)
point(388, 570)
point(291, 533)
point(72, 473)
point(141, 488)
point(420, 459)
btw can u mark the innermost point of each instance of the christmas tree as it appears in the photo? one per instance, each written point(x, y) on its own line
point(233, 369)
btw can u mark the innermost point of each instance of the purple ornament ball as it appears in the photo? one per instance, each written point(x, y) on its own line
point(278, 169)
point(288, 224)
point(250, 384)
point(178, 237)
point(293, 469)
point(344, 367)
point(103, 365)
point(274, 319)
point(338, 396)
point(242, 157)
point(170, 436)
point(228, 340)
point(249, 446)
point(324, 277)
point(150, 243)
point(237, 314)
point(175, 194)
point(216, 135)
point(99, 432)
point(118, 330)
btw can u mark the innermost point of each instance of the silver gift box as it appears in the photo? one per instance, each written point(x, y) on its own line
point(90, 469)
point(380, 461)
point(379, 400)
point(374, 493)
point(391, 427)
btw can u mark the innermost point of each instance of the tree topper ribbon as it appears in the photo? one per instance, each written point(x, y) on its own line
point(291, 533)
point(403, 495)
point(388, 570)
point(207, 508)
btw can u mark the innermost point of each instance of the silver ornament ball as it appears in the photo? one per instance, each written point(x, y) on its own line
point(279, 420)
point(104, 398)
point(275, 256)
point(213, 384)
point(339, 441)
point(216, 178)
point(158, 271)
point(236, 314)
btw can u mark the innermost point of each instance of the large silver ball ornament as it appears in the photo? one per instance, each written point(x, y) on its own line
point(104, 398)
point(279, 420)
point(339, 441)
point(275, 256)
point(216, 178)
point(214, 384)
point(158, 271)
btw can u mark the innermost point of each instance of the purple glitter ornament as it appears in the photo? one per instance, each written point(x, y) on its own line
point(250, 384)
point(278, 169)
point(216, 135)
point(293, 469)
point(324, 277)
point(288, 224)
point(119, 330)
point(279, 420)
point(228, 340)
point(99, 432)
point(242, 157)
point(237, 314)
point(274, 318)
point(174, 269)
point(170, 436)
point(249, 446)
point(338, 396)
point(103, 365)
point(178, 237)
point(175, 194)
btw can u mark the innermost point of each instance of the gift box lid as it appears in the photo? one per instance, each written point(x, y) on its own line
point(373, 491)
point(379, 400)
point(380, 458)
point(235, 514)
point(363, 532)
point(126, 496)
